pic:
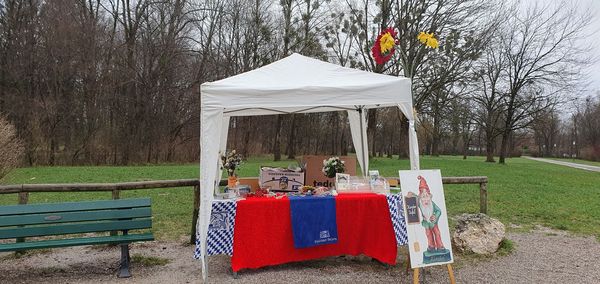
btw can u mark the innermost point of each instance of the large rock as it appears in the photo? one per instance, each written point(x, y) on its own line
point(478, 233)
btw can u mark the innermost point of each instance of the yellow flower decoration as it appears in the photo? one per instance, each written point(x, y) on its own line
point(423, 37)
point(433, 43)
point(428, 39)
point(387, 42)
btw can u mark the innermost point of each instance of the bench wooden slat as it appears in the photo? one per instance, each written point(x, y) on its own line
point(73, 206)
point(76, 242)
point(79, 216)
point(75, 228)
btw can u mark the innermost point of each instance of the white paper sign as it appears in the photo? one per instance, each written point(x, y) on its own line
point(428, 233)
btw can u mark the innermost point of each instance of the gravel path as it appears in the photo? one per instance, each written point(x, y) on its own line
point(568, 164)
point(542, 256)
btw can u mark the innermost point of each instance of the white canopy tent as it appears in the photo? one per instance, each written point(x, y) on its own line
point(295, 84)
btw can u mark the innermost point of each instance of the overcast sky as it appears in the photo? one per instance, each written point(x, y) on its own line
point(594, 36)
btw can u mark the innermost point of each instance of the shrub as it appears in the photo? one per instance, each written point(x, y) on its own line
point(11, 147)
point(506, 247)
point(534, 152)
point(515, 153)
point(591, 153)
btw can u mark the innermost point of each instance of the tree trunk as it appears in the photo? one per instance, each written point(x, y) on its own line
point(435, 137)
point(489, 148)
point(246, 138)
point(343, 144)
point(51, 154)
point(504, 147)
point(277, 141)
point(467, 136)
point(479, 143)
point(390, 143)
point(455, 139)
point(403, 139)
point(291, 149)
point(371, 129)
point(434, 146)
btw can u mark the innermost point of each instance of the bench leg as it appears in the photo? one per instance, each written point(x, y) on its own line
point(124, 263)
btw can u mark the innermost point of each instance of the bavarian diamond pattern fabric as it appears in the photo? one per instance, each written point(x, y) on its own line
point(397, 214)
point(220, 229)
point(197, 251)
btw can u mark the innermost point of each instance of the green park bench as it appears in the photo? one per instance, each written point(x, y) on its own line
point(22, 222)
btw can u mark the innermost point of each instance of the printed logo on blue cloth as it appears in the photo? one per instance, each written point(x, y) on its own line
point(325, 237)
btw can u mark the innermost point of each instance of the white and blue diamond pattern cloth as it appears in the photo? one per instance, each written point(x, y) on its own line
point(397, 214)
point(222, 223)
point(220, 230)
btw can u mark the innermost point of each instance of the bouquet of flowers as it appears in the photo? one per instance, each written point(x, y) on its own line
point(332, 166)
point(231, 162)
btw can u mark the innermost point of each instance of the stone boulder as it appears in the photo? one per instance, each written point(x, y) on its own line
point(478, 233)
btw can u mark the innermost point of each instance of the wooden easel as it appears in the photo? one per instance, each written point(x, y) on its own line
point(416, 272)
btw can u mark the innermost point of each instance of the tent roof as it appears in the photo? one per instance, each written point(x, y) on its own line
point(303, 84)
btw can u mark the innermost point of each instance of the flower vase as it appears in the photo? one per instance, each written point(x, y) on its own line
point(231, 181)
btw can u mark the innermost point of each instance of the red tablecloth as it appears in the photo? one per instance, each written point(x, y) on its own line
point(263, 232)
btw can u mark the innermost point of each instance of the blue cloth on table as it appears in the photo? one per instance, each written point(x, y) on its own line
point(313, 220)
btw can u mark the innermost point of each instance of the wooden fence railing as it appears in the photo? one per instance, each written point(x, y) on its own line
point(23, 190)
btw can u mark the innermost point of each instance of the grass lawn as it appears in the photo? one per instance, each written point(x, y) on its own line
point(523, 192)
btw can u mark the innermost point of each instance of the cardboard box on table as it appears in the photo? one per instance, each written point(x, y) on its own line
point(281, 180)
point(314, 169)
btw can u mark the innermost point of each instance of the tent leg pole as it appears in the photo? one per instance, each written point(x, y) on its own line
point(195, 213)
point(362, 140)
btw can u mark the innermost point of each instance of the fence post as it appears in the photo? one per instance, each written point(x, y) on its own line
point(23, 199)
point(115, 195)
point(483, 197)
point(195, 212)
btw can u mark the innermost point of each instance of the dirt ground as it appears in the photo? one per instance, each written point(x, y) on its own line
point(541, 256)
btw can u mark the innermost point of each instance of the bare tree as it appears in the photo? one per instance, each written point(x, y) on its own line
point(543, 59)
point(117, 81)
point(545, 126)
point(488, 96)
point(588, 128)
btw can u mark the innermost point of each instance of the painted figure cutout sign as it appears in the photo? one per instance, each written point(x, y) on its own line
point(428, 233)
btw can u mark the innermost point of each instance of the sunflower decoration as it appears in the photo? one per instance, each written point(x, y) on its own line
point(428, 39)
point(384, 46)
